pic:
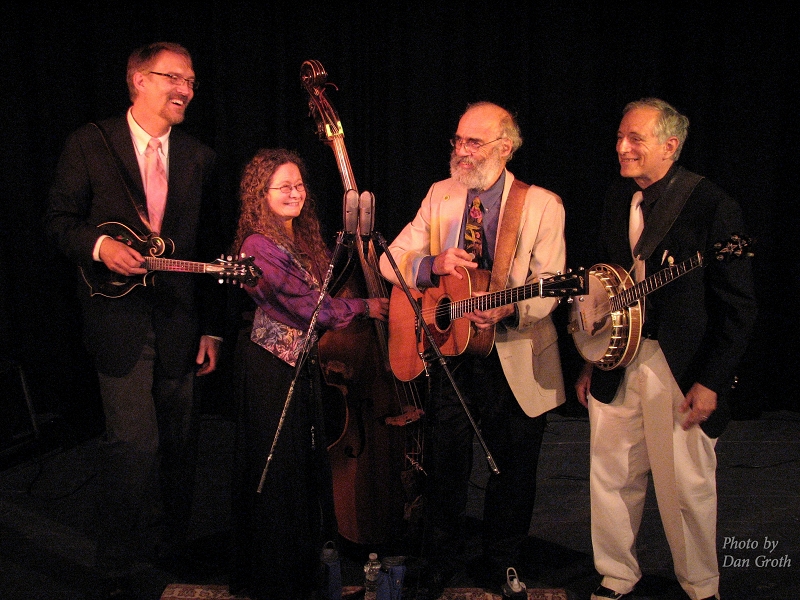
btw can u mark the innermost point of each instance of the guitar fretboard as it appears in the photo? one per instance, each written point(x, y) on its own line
point(493, 300)
point(650, 284)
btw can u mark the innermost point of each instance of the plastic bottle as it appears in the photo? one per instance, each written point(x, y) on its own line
point(390, 584)
point(372, 571)
point(331, 574)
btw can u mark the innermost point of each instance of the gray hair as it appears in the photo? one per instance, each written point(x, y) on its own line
point(509, 128)
point(670, 122)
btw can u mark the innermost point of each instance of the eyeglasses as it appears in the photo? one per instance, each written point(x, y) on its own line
point(177, 80)
point(287, 189)
point(471, 145)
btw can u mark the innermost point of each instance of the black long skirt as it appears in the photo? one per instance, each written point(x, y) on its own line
point(279, 531)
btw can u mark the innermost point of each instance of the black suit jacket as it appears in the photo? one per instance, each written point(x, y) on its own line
point(703, 319)
point(95, 183)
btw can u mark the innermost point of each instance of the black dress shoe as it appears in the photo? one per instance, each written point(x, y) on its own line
point(604, 593)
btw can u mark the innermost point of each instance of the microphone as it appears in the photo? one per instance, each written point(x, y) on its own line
point(351, 210)
point(366, 214)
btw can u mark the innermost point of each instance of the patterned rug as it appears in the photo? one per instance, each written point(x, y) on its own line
point(179, 591)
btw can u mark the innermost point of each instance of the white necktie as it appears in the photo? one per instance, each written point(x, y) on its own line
point(155, 184)
point(635, 227)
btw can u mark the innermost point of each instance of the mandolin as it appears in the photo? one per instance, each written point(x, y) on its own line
point(104, 282)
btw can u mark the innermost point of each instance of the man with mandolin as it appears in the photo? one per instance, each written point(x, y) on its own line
point(140, 173)
point(661, 410)
point(482, 216)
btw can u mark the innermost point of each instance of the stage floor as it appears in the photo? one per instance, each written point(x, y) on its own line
point(47, 524)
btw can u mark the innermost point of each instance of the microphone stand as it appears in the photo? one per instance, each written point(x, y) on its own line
point(439, 356)
point(307, 343)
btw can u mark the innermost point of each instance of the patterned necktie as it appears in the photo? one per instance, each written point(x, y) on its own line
point(473, 235)
point(155, 184)
point(635, 227)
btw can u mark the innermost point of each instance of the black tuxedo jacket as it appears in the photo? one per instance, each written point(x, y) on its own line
point(703, 319)
point(97, 183)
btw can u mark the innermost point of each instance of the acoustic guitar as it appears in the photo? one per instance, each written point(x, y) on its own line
point(443, 306)
point(606, 324)
point(104, 282)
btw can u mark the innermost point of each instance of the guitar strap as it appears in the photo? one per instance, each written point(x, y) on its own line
point(140, 207)
point(666, 211)
point(508, 235)
point(677, 191)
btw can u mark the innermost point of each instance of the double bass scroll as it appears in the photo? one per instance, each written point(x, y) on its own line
point(378, 452)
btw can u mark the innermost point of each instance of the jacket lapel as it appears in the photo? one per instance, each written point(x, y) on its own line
point(666, 210)
point(451, 215)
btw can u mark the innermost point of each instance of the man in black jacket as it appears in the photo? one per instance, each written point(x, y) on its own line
point(662, 413)
point(148, 341)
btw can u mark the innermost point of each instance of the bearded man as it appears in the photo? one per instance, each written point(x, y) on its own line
point(482, 213)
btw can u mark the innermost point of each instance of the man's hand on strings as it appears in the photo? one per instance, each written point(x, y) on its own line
point(483, 319)
point(447, 262)
point(121, 258)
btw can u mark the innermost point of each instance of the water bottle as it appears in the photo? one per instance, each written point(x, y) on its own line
point(331, 575)
point(372, 571)
point(390, 584)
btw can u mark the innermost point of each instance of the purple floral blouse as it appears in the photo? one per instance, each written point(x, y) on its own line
point(286, 296)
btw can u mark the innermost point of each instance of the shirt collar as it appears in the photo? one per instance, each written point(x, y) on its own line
point(490, 196)
point(653, 192)
point(141, 138)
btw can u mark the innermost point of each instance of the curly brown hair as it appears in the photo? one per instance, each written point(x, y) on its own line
point(307, 246)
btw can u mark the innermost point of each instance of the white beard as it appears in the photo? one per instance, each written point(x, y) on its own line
point(477, 178)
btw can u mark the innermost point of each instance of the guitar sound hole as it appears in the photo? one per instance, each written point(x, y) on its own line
point(442, 318)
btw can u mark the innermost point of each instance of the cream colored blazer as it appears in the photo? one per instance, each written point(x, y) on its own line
point(529, 354)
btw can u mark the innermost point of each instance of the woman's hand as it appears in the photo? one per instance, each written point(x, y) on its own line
point(378, 308)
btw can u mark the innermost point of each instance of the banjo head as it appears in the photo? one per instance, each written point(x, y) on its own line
point(601, 334)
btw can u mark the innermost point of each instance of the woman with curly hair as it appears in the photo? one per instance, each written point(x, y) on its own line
point(279, 530)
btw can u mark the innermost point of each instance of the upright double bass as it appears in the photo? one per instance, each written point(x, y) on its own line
point(376, 456)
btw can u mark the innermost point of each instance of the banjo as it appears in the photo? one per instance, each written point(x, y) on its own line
point(606, 324)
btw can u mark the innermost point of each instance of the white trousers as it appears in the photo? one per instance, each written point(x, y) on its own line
point(638, 433)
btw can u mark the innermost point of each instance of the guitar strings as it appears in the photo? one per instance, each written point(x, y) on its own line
point(457, 308)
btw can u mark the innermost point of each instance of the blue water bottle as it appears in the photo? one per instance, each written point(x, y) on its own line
point(393, 572)
point(331, 577)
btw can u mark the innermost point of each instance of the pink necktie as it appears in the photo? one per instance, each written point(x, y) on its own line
point(635, 227)
point(155, 184)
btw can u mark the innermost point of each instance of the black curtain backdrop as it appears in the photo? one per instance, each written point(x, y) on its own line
point(402, 75)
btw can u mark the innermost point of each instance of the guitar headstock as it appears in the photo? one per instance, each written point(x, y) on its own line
point(737, 246)
point(571, 283)
point(239, 272)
